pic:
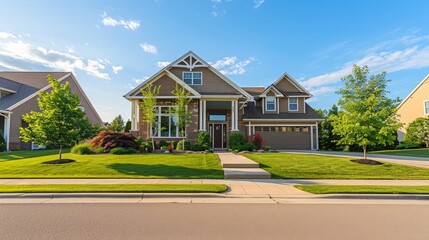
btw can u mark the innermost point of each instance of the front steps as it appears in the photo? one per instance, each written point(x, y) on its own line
point(239, 167)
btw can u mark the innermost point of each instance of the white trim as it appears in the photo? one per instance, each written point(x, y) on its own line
point(280, 125)
point(266, 104)
point(223, 97)
point(278, 105)
point(299, 96)
point(424, 107)
point(7, 90)
point(311, 137)
point(271, 88)
point(36, 93)
point(280, 120)
point(6, 130)
point(200, 115)
point(192, 78)
point(317, 136)
point(293, 81)
point(414, 90)
point(159, 115)
point(190, 65)
point(250, 129)
point(204, 115)
point(288, 105)
point(161, 97)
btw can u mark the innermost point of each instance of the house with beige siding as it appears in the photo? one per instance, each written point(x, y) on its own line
point(279, 112)
point(18, 96)
point(414, 106)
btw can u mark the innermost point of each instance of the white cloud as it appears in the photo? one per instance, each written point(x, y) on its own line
point(162, 64)
point(5, 35)
point(258, 3)
point(411, 52)
point(149, 48)
point(117, 69)
point(140, 80)
point(127, 24)
point(20, 55)
point(231, 65)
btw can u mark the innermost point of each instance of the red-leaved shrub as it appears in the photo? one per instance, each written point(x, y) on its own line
point(111, 139)
point(257, 140)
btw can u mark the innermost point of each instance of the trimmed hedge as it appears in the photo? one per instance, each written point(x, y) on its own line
point(121, 150)
point(236, 139)
point(82, 149)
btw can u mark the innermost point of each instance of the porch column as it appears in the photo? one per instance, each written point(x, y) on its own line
point(6, 129)
point(202, 116)
point(317, 136)
point(311, 137)
point(250, 129)
point(234, 115)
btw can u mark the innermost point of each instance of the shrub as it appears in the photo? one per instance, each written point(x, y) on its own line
point(162, 144)
point(257, 140)
point(266, 148)
point(249, 146)
point(203, 139)
point(199, 147)
point(121, 150)
point(2, 142)
point(139, 140)
point(82, 149)
point(110, 139)
point(97, 150)
point(147, 147)
point(174, 144)
point(408, 145)
point(180, 145)
point(236, 139)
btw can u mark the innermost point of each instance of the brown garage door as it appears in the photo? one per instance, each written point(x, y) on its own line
point(296, 138)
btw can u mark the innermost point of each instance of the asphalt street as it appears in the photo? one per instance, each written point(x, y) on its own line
point(213, 221)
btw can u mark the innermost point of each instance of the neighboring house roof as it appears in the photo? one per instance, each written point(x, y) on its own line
point(21, 92)
point(33, 79)
point(414, 90)
point(253, 112)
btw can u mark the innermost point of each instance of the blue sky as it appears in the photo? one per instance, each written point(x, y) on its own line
point(111, 46)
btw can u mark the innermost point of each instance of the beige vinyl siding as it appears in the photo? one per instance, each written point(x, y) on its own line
point(287, 86)
point(284, 105)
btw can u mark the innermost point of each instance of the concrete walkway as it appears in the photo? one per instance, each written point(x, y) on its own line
point(238, 166)
point(406, 160)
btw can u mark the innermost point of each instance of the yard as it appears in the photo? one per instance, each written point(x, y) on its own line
point(355, 189)
point(421, 152)
point(28, 164)
point(306, 166)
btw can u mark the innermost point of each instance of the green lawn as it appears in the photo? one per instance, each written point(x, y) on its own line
point(331, 189)
point(114, 188)
point(28, 164)
point(306, 166)
point(421, 152)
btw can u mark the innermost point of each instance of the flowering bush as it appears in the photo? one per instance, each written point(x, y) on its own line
point(257, 140)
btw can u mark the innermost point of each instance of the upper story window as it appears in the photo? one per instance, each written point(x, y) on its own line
point(427, 107)
point(193, 78)
point(293, 104)
point(271, 104)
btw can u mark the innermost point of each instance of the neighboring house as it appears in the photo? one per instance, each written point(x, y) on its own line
point(414, 106)
point(18, 96)
point(279, 112)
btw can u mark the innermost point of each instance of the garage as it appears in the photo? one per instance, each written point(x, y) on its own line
point(286, 138)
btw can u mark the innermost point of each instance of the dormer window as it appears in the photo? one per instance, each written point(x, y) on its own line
point(426, 107)
point(193, 78)
point(293, 104)
point(271, 104)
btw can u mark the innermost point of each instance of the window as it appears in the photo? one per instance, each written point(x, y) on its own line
point(165, 123)
point(217, 117)
point(427, 107)
point(193, 78)
point(293, 104)
point(270, 104)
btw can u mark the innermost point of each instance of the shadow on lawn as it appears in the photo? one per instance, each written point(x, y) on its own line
point(27, 154)
point(165, 171)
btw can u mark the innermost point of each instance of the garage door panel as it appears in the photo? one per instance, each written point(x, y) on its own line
point(287, 140)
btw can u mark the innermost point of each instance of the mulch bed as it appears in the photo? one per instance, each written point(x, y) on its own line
point(367, 161)
point(59, 161)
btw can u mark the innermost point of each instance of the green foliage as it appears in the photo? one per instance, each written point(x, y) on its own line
point(127, 126)
point(267, 148)
point(117, 124)
point(2, 142)
point(97, 150)
point(147, 147)
point(257, 140)
point(408, 145)
point(163, 143)
point(249, 146)
point(82, 149)
point(121, 150)
point(183, 145)
point(180, 108)
point(204, 139)
point(147, 105)
point(327, 139)
point(418, 131)
point(236, 139)
point(60, 122)
point(367, 115)
point(199, 147)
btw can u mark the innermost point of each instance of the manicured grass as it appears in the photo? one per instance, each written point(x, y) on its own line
point(421, 152)
point(114, 188)
point(306, 166)
point(352, 189)
point(28, 164)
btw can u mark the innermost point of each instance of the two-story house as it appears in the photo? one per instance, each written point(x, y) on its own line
point(279, 112)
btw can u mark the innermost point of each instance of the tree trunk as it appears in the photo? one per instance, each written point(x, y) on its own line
point(364, 152)
point(61, 152)
point(427, 144)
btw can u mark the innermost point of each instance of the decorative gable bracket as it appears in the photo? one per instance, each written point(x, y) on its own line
point(189, 61)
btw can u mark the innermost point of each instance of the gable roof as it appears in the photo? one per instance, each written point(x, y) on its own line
point(414, 90)
point(254, 113)
point(277, 92)
point(21, 91)
point(33, 79)
point(294, 82)
point(189, 60)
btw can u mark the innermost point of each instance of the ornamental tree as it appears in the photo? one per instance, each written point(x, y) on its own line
point(60, 122)
point(418, 131)
point(117, 124)
point(367, 116)
point(180, 110)
point(148, 107)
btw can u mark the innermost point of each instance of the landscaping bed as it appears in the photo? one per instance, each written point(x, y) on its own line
point(114, 188)
point(363, 189)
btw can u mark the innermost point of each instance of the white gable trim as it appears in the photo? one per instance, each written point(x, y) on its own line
point(194, 61)
point(36, 93)
point(294, 82)
point(414, 90)
point(7, 90)
point(274, 89)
